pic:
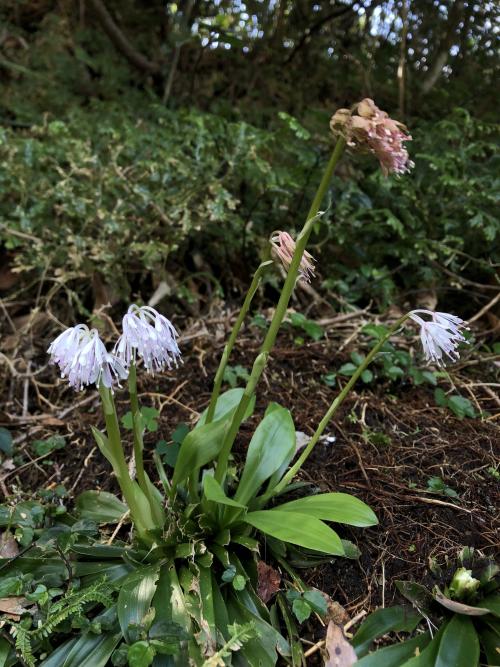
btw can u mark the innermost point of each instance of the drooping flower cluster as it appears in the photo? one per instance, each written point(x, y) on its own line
point(441, 334)
point(282, 249)
point(82, 356)
point(150, 336)
point(372, 130)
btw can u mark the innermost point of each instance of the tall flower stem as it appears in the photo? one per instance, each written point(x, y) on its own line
point(137, 429)
point(279, 314)
point(113, 451)
point(138, 445)
point(330, 412)
point(219, 376)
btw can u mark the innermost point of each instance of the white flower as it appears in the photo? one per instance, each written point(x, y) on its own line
point(83, 358)
point(150, 336)
point(442, 333)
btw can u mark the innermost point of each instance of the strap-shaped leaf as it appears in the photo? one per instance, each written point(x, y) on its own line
point(89, 650)
point(490, 642)
point(134, 598)
point(226, 404)
point(301, 529)
point(492, 603)
point(338, 507)
point(427, 657)
point(400, 619)
point(394, 656)
point(101, 506)
point(198, 448)
point(271, 444)
point(459, 644)
point(213, 491)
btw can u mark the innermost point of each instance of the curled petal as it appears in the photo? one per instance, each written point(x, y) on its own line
point(440, 336)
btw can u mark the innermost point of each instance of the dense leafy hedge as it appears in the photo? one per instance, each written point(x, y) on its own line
point(108, 193)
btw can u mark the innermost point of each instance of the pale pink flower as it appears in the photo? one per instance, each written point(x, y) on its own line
point(150, 336)
point(442, 333)
point(372, 130)
point(283, 248)
point(82, 358)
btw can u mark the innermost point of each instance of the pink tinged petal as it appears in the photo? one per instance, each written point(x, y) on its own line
point(439, 335)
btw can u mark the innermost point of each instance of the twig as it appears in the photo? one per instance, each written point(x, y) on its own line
point(485, 308)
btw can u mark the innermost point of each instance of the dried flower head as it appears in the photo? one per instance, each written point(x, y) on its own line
point(372, 130)
point(442, 333)
point(282, 249)
point(83, 358)
point(150, 336)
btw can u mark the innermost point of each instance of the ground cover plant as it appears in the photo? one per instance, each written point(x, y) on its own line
point(168, 600)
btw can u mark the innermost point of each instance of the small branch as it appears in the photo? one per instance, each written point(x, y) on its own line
point(120, 41)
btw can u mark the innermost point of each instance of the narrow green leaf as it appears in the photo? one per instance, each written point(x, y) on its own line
point(492, 602)
point(103, 444)
point(338, 507)
point(301, 529)
point(135, 596)
point(213, 491)
point(89, 651)
point(381, 621)
point(198, 448)
point(272, 443)
point(427, 657)
point(394, 656)
point(459, 644)
point(4, 651)
point(491, 646)
point(101, 506)
point(226, 404)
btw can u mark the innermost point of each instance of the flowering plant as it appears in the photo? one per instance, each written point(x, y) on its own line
point(184, 591)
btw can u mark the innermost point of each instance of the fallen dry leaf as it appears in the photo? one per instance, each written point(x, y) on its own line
point(14, 606)
point(339, 653)
point(8, 545)
point(268, 581)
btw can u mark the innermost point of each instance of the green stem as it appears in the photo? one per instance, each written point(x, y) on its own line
point(279, 314)
point(120, 465)
point(219, 376)
point(138, 444)
point(330, 412)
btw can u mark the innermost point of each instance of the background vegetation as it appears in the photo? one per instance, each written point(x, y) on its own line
point(145, 144)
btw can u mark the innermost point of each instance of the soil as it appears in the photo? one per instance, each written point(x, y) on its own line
point(385, 443)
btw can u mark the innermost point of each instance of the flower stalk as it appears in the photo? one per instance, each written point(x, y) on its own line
point(337, 402)
point(116, 457)
point(219, 376)
point(135, 411)
point(280, 312)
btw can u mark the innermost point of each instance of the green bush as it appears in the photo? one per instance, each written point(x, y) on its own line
point(111, 194)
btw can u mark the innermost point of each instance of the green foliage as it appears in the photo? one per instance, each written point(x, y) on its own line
point(49, 445)
point(467, 616)
point(203, 559)
point(233, 374)
point(149, 419)
point(107, 196)
point(71, 604)
point(306, 602)
point(309, 327)
point(437, 485)
point(459, 405)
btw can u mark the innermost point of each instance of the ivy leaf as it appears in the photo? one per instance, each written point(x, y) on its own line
point(301, 609)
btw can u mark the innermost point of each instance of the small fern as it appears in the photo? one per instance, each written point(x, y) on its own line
point(70, 605)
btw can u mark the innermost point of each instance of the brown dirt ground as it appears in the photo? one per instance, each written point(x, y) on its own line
point(422, 440)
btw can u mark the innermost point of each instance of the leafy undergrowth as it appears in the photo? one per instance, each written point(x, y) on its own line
point(428, 471)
